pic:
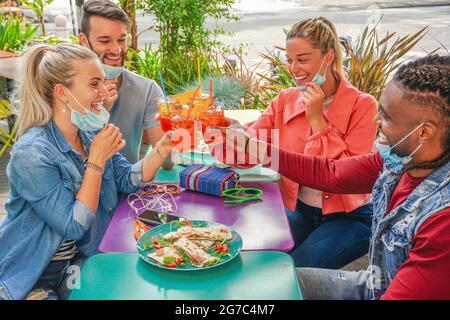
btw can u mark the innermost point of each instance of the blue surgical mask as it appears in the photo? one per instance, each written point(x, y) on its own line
point(90, 121)
point(390, 157)
point(112, 72)
point(319, 79)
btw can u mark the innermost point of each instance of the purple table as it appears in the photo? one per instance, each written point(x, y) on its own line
point(263, 225)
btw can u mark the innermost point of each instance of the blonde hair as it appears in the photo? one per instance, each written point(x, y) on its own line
point(44, 67)
point(322, 35)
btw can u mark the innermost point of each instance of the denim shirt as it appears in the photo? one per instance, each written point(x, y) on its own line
point(45, 174)
point(393, 234)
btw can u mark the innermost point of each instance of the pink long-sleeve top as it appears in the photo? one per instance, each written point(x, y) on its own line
point(351, 131)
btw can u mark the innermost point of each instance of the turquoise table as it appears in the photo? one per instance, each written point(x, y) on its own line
point(260, 275)
point(255, 174)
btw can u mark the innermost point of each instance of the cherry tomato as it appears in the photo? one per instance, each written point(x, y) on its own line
point(171, 265)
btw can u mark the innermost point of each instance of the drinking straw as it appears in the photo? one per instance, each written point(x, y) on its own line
point(165, 94)
point(162, 86)
point(191, 104)
point(211, 97)
point(199, 74)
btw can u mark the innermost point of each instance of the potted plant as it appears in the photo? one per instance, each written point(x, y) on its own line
point(15, 34)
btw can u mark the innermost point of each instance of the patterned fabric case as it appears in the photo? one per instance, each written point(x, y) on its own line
point(208, 179)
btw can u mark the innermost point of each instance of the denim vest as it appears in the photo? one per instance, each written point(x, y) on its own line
point(393, 234)
point(45, 175)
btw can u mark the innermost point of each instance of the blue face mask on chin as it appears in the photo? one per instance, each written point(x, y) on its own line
point(390, 157)
point(90, 121)
point(319, 79)
point(112, 72)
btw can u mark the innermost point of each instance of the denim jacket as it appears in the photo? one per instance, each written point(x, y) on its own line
point(45, 174)
point(393, 234)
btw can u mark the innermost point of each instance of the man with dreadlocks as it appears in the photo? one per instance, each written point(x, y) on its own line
point(409, 178)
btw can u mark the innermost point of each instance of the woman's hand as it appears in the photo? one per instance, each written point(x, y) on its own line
point(113, 94)
point(105, 144)
point(164, 146)
point(313, 98)
point(159, 156)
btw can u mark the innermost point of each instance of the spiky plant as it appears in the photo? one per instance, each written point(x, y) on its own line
point(226, 90)
point(371, 60)
point(369, 63)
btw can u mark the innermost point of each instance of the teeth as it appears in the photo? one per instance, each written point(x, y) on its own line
point(113, 57)
point(97, 105)
point(382, 138)
point(301, 78)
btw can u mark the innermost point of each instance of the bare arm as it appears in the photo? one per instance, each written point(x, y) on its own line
point(350, 175)
point(152, 136)
point(153, 161)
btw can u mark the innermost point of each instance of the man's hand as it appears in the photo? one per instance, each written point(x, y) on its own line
point(111, 89)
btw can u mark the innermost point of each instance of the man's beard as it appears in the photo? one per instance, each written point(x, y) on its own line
point(102, 57)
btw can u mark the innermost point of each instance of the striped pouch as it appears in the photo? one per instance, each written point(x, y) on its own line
point(208, 179)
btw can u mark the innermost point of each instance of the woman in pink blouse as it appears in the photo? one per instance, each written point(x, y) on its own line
point(325, 116)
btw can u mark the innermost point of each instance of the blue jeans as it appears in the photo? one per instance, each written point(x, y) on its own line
point(326, 284)
point(329, 241)
point(58, 279)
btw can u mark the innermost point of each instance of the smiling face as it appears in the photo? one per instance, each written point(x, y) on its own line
point(398, 116)
point(108, 39)
point(393, 125)
point(304, 61)
point(87, 87)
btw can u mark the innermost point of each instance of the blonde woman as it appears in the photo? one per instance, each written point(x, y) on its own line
point(64, 179)
point(324, 116)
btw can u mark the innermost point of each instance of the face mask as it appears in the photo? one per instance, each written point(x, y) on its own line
point(390, 157)
point(320, 80)
point(90, 121)
point(112, 72)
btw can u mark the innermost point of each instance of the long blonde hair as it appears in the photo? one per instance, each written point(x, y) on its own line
point(44, 67)
point(322, 35)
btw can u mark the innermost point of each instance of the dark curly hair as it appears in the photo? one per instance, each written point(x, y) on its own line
point(426, 83)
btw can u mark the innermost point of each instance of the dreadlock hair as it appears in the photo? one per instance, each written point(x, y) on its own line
point(426, 81)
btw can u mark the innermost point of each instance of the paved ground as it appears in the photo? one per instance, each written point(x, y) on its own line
point(262, 21)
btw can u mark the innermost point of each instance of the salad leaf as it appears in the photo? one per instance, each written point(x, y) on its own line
point(169, 260)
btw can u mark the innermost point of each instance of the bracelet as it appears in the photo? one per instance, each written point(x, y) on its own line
point(93, 166)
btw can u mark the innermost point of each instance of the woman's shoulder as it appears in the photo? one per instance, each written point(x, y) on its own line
point(33, 144)
point(362, 99)
point(286, 96)
point(289, 93)
point(33, 137)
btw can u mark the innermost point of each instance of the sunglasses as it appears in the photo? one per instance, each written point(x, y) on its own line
point(172, 188)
